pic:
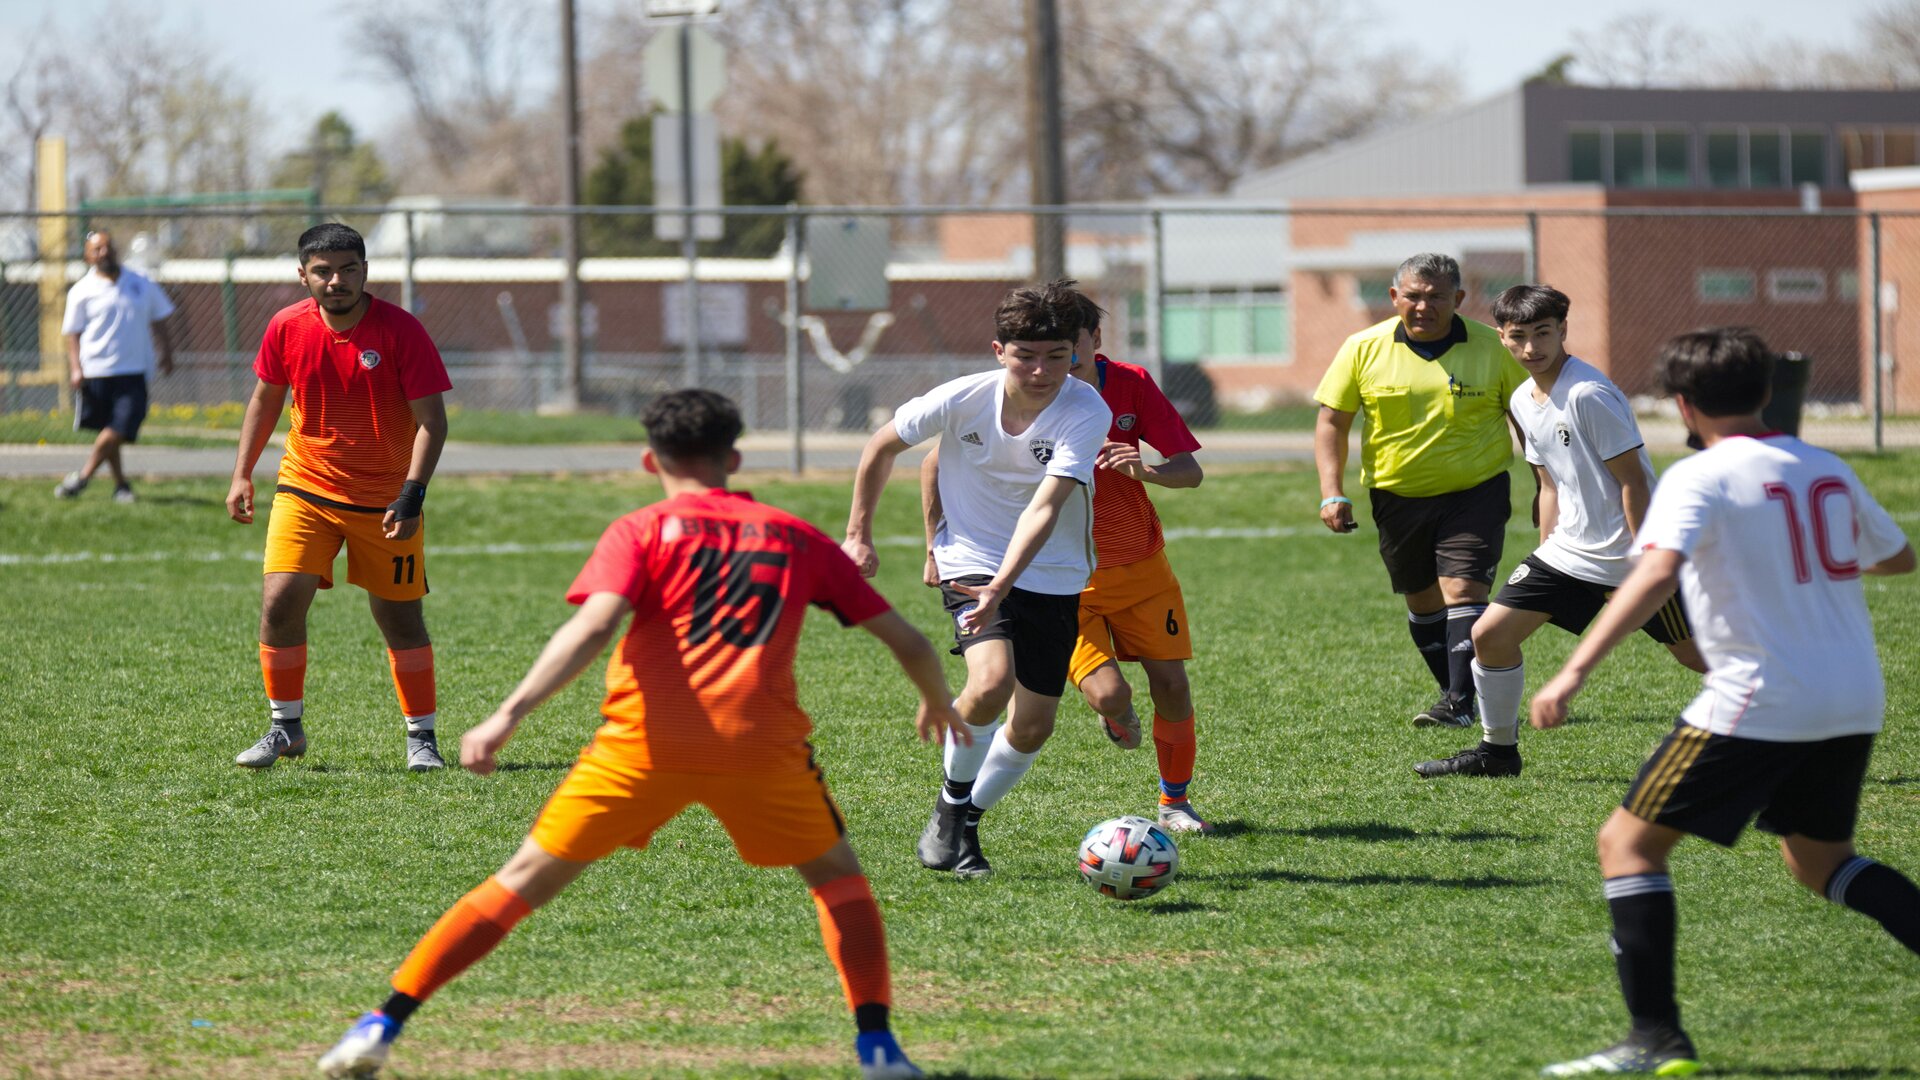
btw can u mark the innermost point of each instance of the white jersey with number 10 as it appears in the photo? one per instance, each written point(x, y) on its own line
point(1776, 533)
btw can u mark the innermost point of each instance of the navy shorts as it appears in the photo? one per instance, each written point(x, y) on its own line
point(112, 401)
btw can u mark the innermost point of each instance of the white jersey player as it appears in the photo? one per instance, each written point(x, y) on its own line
point(1594, 480)
point(1017, 452)
point(1767, 539)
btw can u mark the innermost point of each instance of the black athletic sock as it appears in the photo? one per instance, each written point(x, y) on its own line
point(870, 1017)
point(1459, 631)
point(399, 1007)
point(1498, 750)
point(973, 815)
point(957, 792)
point(1429, 632)
point(291, 727)
point(1644, 922)
point(1880, 893)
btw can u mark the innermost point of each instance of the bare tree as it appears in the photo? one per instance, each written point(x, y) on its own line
point(1891, 36)
point(1642, 49)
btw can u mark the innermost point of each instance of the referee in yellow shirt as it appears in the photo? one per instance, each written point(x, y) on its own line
point(1433, 457)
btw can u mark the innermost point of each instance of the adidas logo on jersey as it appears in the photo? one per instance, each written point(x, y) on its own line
point(972, 437)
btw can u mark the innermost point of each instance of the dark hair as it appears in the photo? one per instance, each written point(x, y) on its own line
point(1524, 305)
point(1050, 312)
point(1432, 266)
point(1723, 371)
point(331, 236)
point(691, 424)
point(1090, 312)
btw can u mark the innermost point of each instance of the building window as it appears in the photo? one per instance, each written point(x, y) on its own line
point(1765, 165)
point(1807, 155)
point(1670, 165)
point(1723, 160)
point(1796, 286)
point(1494, 286)
point(1229, 326)
point(1846, 285)
point(1629, 159)
point(1584, 164)
point(1725, 286)
point(1371, 292)
point(1899, 148)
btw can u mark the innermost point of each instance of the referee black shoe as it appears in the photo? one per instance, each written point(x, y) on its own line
point(1473, 761)
point(1446, 712)
point(939, 846)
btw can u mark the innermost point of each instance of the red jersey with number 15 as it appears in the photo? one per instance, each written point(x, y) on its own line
point(1126, 528)
point(703, 680)
point(352, 435)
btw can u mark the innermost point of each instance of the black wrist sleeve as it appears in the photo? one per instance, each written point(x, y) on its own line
point(412, 495)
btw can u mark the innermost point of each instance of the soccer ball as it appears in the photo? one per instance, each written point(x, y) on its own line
point(1128, 858)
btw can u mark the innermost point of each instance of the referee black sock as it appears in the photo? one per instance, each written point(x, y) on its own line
point(399, 1007)
point(1643, 931)
point(1459, 631)
point(1429, 631)
point(1880, 893)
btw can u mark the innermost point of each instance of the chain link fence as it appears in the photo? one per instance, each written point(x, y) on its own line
point(822, 320)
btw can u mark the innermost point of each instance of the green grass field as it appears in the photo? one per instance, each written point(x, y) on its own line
point(163, 913)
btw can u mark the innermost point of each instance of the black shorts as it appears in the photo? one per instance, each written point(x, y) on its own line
point(1712, 785)
point(1042, 627)
point(1570, 603)
point(113, 401)
point(1459, 534)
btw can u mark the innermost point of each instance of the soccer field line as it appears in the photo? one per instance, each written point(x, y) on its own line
point(564, 547)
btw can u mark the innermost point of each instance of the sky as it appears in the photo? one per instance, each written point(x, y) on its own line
point(277, 46)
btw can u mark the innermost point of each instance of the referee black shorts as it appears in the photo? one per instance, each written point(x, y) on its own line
point(1571, 603)
point(1459, 534)
point(112, 401)
point(1042, 627)
point(1711, 786)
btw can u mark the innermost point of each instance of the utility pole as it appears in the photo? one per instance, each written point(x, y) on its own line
point(570, 332)
point(1045, 156)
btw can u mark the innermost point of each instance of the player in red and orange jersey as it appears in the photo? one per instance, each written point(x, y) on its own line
point(701, 707)
point(1132, 608)
point(368, 425)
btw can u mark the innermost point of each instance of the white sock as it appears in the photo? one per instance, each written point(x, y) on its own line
point(286, 712)
point(961, 764)
point(1003, 769)
point(1500, 690)
point(418, 724)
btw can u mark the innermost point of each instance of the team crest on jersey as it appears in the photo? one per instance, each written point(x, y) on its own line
point(1125, 421)
point(369, 359)
point(1042, 450)
point(973, 438)
point(1519, 574)
point(1563, 434)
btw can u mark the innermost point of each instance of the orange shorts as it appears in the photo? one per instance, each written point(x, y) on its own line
point(1131, 612)
point(303, 538)
point(782, 819)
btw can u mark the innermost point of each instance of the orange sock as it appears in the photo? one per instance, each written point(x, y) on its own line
point(284, 670)
point(856, 939)
point(413, 680)
point(468, 931)
point(1173, 744)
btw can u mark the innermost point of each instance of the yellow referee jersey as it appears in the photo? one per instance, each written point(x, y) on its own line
point(1430, 426)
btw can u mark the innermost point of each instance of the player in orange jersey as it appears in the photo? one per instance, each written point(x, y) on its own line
point(701, 707)
point(1132, 608)
point(368, 424)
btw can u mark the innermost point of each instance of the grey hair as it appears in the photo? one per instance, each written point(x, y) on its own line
point(1432, 266)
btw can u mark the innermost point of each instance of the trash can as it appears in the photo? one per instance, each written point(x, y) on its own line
point(1790, 373)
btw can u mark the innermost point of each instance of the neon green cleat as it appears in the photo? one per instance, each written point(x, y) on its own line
point(1673, 1057)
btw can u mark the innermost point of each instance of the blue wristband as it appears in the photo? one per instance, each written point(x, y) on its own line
point(1331, 499)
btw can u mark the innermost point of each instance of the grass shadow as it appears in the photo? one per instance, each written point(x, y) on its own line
point(1376, 831)
point(532, 766)
point(1896, 781)
point(1178, 907)
point(1736, 1069)
point(181, 500)
point(1295, 877)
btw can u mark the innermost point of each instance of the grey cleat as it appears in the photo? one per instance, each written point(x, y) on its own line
point(1182, 817)
point(71, 487)
point(939, 846)
point(423, 752)
point(277, 743)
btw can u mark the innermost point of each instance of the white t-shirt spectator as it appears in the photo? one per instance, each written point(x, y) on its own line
point(987, 477)
point(1584, 423)
point(114, 319)
point(1776, 533)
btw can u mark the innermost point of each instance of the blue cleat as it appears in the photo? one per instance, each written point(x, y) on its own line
point(363, 1049)
point(880, 1057)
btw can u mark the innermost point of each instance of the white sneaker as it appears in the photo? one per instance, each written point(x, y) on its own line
point(124, 494)
point(71, 487)
point(1182, 817)
point(362, 1050)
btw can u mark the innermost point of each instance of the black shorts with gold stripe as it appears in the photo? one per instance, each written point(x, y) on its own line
point(1711, 786)
point(1571, 603)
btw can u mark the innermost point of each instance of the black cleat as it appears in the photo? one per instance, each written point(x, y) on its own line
point(939, 846)
point(972, 863)
point(1446, 713)
point(1473, 761)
